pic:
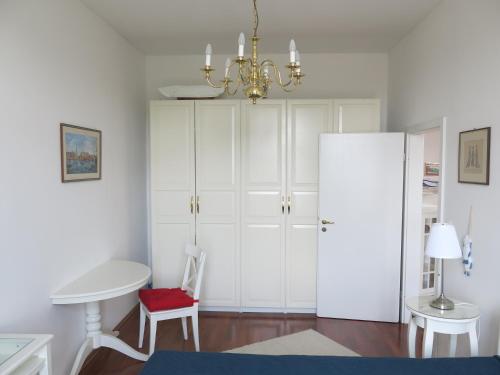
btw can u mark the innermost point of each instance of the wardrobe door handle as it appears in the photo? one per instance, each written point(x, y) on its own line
point(282, 205)
point(197, 204)
point(289, 203)
point(192, 205)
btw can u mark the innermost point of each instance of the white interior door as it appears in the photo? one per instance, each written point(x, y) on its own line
point(413, 223)
point(306, 120)
point(172, 188)
point(217, 199)
point(359, 256)
point(263, 203)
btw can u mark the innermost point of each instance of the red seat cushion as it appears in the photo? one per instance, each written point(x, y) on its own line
point(165, 299)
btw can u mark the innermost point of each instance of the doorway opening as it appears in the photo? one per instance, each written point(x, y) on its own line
point(424, 206)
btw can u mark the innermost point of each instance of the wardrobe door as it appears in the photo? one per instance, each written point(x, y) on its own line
point(217, 199)
point(172, 188)
point(306, 120)
point(356, 115)
point(263, 203)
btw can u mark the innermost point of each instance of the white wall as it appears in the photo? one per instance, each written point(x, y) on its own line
point(60, 63)
point(339, 75)
point(432, 145)
point(450, 66)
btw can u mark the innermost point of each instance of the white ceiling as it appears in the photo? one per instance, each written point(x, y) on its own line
point(159, 27)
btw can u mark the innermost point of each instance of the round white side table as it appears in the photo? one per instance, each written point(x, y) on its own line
point(462, 319)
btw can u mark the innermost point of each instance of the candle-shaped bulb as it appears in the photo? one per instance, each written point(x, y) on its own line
point(241, 45)
point(297, 57)
point(293, 50)
point(208, 54)
point(266, 72)
point(228, 64)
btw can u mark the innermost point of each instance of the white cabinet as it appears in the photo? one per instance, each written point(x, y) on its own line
point(306, 120)
point(242, 181)
point(356, 115)
point(195, 193)
point(263, 128)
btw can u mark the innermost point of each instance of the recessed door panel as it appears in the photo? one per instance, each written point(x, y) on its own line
point(301, 266)
point(263, 264)
point(263, 144)
point(357, 115)
point(305, 206)
point(168, 254)
point(220, 286)
point(263, 204)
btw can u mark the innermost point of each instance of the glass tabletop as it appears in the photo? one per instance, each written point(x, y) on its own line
point(462, 310)
point(11, 346)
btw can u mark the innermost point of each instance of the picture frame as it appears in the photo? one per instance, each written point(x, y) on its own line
point(474, 156)
point(81, 153)
point(432, 169)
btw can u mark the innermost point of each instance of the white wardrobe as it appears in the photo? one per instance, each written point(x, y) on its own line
point(241, 180)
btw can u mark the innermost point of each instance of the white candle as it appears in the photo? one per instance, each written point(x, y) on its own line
point(228, 64)
point(293, 49)
point(297, 57)
point(266, 71)
point(208, 52)
point(241, 45)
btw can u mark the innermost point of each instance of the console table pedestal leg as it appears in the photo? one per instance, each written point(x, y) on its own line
point(95, 339)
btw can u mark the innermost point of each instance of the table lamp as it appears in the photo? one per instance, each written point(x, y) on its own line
point(443, 244)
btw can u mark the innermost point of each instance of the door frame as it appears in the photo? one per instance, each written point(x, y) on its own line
point(419, 128)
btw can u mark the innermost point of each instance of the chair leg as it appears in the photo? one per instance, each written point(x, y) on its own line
point(152, 334)
point(184, 327)
point(142, 324)
point(196, 337)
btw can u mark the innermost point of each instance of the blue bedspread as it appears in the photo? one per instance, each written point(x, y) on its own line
point(188, 363)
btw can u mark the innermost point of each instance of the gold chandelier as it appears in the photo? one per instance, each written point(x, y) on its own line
point(255, 77)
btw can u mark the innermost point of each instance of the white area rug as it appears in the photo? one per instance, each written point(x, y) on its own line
point(307, 342)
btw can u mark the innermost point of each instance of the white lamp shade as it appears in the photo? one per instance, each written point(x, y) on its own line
point(443, 242)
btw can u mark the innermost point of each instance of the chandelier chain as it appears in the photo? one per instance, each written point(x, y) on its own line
point(255, 19)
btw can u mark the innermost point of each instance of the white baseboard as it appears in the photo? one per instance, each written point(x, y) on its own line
point(259, 309)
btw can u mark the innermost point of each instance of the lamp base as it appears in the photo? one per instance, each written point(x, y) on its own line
point(442, 303)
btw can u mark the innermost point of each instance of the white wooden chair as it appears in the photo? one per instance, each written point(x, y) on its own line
point(164, 304)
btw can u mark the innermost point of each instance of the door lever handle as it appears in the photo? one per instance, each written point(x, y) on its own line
point(282, 205)
point(192, 205)
point(325, 222)
point(198, 204)
point(289, 204)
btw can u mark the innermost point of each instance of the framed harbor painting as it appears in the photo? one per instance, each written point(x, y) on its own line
point(474, 156)
point(80, 153)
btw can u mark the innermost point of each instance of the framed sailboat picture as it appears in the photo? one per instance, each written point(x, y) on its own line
point(80, 153)
point(474, 156)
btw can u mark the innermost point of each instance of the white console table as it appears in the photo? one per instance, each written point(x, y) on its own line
point(25, 354)
point(109, 280)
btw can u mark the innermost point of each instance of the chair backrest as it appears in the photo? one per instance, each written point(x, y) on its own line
point(193, 273)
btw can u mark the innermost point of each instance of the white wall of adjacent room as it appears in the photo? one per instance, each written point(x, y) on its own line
point(60, 63)
point(449, 66)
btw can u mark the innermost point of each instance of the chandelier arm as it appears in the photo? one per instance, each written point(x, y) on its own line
point(245, 76)
point(210, 83)
point(236, 88)
point(277, 75)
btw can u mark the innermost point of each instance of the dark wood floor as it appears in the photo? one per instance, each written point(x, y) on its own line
point(224, 331)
